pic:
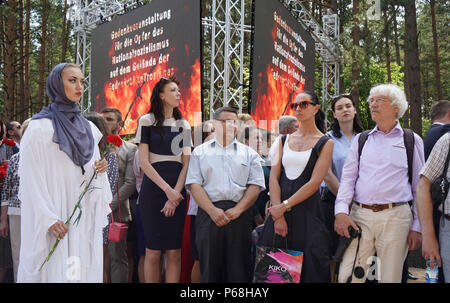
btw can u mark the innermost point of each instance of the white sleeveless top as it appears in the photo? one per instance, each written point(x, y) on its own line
point(294, 162)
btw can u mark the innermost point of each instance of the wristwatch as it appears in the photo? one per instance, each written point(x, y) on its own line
point(286, 203)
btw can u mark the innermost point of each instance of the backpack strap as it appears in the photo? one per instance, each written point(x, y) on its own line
point(361, 141)
point(408, 139)
point(283, 139)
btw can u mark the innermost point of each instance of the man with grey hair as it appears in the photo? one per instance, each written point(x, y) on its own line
point(287, 125)
point(375, 194)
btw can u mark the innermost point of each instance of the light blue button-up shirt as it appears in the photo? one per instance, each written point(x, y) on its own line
point(340, 151)
point(224, 172)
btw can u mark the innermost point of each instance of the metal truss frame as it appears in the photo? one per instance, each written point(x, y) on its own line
point(227, 28)
point(326, 38)
point(86, 15)
point(227, 53)
point(226, 81)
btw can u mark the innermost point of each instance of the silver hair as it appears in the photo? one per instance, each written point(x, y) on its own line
point(395, 93)
point(285, 122)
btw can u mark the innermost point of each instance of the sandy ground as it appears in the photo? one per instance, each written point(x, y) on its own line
point(418, 273)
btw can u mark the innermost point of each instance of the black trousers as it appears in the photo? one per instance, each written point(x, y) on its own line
point(224, 252)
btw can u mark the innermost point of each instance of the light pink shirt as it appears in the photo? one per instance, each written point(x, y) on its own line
point(382, 177)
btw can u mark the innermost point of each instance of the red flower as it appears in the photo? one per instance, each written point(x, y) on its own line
point(3, 168)
point(114, 140)
point(9, 142)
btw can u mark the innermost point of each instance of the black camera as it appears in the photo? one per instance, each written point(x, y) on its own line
point(344, 243)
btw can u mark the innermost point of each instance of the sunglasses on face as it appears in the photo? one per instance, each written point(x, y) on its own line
point(302, 105)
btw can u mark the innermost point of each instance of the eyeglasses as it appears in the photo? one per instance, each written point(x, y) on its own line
point(234, 122)
point(377, 101)
point(302, 105)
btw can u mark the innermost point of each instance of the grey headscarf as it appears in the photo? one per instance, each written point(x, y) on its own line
point(72, 131)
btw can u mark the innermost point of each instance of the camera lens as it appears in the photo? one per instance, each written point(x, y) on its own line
point(359, 272)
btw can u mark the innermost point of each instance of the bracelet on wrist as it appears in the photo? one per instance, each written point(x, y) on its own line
point(286, 204)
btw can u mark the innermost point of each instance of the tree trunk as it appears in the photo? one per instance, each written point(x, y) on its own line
point(42, 66)
point(436, 51)
point(406, 85)
point(388, 55)
point(319, 18)
point(367, 44)
point(64, 34)
point(3, 20)
point(413, 66)
point(355, 51)
point(332, 4)
point(9, 60)
point(27, 78)
point(426, 96)
point(22, 107)
point(397, 47)
point(339, 12)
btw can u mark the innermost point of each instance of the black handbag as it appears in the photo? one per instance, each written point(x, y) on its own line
point(440, 186)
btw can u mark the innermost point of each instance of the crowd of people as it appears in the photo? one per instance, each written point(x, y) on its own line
point(238, 186)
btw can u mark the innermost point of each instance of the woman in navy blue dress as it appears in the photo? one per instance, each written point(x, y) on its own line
point(164, 150)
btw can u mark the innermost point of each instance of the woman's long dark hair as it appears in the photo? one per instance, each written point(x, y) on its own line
point(335, 128)
point(157, 105)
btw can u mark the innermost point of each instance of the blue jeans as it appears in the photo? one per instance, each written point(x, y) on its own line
point(444, 241)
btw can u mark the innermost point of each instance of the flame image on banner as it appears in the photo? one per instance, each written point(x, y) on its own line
point(282, 66)
point(131, 53)
point(122, 98)
point(273, 103)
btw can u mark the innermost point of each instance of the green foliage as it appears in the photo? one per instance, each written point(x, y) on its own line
point(426, 51)
point(426, 124)
point(370, 55)
point(370, 75)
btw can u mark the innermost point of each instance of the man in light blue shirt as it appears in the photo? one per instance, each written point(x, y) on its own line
point(225, 178)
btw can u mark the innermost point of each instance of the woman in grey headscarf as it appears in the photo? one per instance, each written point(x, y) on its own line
point(59, 153)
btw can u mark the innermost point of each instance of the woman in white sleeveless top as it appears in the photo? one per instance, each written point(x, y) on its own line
point(294, 192)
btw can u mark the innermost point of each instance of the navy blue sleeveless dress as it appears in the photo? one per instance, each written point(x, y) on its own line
point(307, 231)
point(161, 232)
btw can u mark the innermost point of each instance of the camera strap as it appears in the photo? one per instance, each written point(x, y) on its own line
point(349, 280)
